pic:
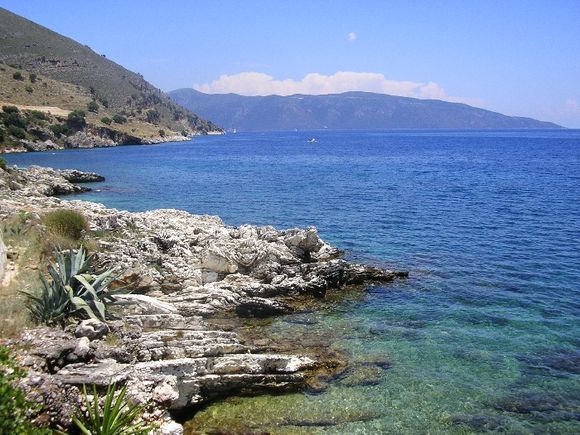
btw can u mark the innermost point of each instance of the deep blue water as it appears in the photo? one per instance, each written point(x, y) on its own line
point(484, 335)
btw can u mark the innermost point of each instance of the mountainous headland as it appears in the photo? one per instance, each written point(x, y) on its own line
point(349, 110)
point(57, 93)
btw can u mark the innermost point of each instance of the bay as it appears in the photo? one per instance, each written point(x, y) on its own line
point(484, 335)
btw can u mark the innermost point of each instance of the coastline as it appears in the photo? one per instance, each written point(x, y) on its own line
point(92, 141)
point(185, 269)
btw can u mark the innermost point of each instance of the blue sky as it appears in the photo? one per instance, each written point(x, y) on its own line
point(516, 57)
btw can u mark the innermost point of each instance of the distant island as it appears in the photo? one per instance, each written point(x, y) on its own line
point(349, 110)
point(57, 93)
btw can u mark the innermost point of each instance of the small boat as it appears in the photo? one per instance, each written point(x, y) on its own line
point(312, 140)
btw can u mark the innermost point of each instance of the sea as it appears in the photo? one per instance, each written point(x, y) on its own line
point(484, 335)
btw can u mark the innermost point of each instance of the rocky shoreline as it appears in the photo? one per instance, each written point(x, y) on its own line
point(98, 138)
point(183, 270)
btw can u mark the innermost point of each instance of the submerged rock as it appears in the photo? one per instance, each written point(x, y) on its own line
point(482, 422)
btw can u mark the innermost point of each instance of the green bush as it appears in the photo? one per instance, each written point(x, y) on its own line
point(37, 115)
point(76, 119)
point(17, 76)
point(3, 164)
point(10, 109)
point(13, 402)
point(60, 129)
point(119, 119)
point(32, 77)
point(153, 116)
point(116, 416)
point(161, 132)
point(106, 120)
point(103, 101)
point(14, 118)
point(29, 89)
point(92, 106)
point(17, 132)
point(67, 223)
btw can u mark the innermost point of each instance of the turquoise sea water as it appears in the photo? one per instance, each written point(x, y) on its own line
point(484, 335)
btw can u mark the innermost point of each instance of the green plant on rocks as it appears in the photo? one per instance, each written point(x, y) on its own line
point(73, 290)
point(116, 415)
point(13, 403)
point(67, 223)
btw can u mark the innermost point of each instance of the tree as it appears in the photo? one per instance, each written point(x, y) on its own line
point(10, 109)
point(119, 119)
point(76, 119)
point(17, 132)
point(153, 116)
point(93, 107)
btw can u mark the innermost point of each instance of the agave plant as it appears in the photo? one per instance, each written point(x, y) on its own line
point(51, 306)
point(116, 416)
point(73, 290)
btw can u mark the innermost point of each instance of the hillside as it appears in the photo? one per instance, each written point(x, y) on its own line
point(350, 110)
point(55, 71)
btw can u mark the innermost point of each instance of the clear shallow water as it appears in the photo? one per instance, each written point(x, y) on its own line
point(485, 333)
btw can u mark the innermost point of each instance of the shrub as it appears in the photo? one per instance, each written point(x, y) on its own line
point(17, 132)
point(161, 132)
point(37, 115)
point(93, 107)
point(60, 129)
point(3, 164)
point(17, 76)
point(10, 109)
point(67, 223)
point(13, 402)
point(104, 102)
point(73, 290)
point(32, 77)
point(16, 119)
point(116, 416)
point(76, 119)
point(153, 116)
point(29, 89)
point(119, 119)
point(106, 120)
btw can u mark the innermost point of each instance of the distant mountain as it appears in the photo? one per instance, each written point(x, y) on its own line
point(44, 69)
point(350, 110)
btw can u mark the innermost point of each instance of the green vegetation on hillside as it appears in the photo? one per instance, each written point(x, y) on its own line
point(41, 68)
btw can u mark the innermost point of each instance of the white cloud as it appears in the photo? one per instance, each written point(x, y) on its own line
point(256, 83)
point(351, 36)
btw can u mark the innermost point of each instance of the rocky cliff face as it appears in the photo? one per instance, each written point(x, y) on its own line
point(183, 269)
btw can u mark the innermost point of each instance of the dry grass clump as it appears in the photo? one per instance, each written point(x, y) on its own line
point(66, 223)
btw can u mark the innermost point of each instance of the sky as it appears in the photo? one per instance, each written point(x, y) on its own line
point(517, 57)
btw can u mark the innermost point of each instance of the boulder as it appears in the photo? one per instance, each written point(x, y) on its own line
point(92, 329)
